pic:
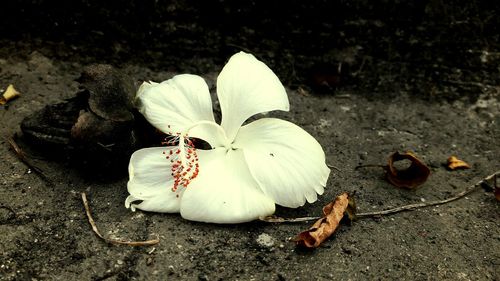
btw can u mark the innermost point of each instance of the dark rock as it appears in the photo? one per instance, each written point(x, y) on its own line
point(111, 93)
point(96, 128)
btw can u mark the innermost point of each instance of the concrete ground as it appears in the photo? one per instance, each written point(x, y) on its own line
point(45, 234)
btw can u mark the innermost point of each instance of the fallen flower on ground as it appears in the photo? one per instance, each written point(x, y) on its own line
point(249, 169)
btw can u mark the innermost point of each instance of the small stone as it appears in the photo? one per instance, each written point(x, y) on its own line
point(203, 277)
point(265, 240)
point(171, 270)
point(347, 250)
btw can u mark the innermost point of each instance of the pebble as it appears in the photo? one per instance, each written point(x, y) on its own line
point(265, 240)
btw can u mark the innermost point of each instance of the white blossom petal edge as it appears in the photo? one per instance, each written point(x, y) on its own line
point(249, 169)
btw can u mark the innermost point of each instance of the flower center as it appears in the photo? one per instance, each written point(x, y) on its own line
point(184, 158)
point(184, 161)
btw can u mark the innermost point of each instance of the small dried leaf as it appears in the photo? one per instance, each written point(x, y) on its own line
point(411, 177)
point(323, 228)
point(9, 94)
point(454, 163)
point(351, 208)
point(303, 92)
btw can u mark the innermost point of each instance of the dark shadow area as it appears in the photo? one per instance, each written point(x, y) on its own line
point(431, 49)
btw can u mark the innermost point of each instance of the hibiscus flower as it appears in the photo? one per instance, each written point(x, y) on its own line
point(248, 169)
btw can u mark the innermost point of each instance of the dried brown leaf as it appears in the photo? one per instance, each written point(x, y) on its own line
point(411, 177)
point(323, 228)
point(351, 208)
point(454, 163)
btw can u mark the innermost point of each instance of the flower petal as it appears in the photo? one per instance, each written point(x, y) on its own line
point(176, 104)
point(224, 191)
point(245, 87)
point(151, 181)
point(286, 161)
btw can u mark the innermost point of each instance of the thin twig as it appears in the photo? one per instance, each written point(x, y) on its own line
point(274, 219)
point(22, 156)
point(333, 167)
point(469, 83)
point(370, 166)
point(239, 47)
point(342, 96)
point(355, 73)
point(410, 207)
point(113, 241)
point(433, 203)
point(415, 206)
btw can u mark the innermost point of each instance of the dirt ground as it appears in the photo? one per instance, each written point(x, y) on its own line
point(45, 234)
point(365, 78)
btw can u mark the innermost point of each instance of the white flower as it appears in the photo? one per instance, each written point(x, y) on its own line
point(249, 169)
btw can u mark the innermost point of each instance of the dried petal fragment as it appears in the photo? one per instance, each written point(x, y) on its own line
point(9, 94)
point(411, 177)
point(454, 163)
point(323, 228)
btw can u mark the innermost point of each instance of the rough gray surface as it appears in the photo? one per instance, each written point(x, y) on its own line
point(50, 238)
